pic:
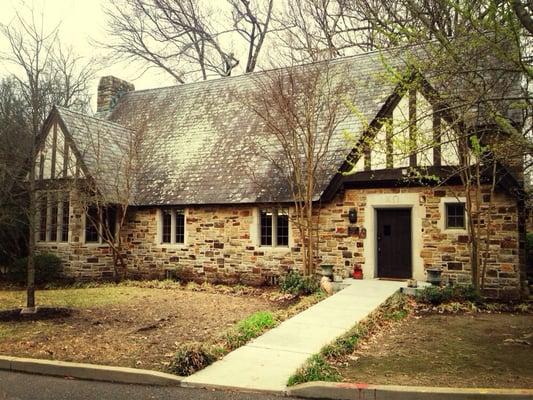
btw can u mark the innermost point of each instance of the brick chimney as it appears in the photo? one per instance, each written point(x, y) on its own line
point(110, 89)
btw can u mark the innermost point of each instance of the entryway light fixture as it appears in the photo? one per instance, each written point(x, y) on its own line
point(352, 215)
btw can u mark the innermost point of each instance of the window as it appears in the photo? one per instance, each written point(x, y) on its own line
point(166, 224)
point(65, 216)
point(91, 225)
point(54, 212)
point(274, 228)
point(180, 226)
point(43, 211)
point(455, 215)
point(172, 229)
point(110, 222)
point(53, 218)
point(95, 229)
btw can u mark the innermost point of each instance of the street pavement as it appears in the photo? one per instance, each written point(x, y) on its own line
point(19, 386)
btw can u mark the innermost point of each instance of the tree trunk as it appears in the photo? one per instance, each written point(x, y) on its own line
point(30, 285)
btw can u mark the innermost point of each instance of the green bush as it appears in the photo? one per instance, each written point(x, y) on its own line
point(297, 284)
point(48, 268)
point(315, 369)
point(192, 357)
point(250, 328)
point(437, 295)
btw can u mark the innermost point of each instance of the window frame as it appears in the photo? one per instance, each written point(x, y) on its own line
point(447, 215)
point(52, 204)
point(100, 228)
point(274, 231)
point(173, 234)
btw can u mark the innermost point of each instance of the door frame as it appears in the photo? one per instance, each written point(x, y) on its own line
point(376, 211)
point(393, 200)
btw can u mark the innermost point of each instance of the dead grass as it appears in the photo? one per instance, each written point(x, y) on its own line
point(463, 350)
point(127, 325)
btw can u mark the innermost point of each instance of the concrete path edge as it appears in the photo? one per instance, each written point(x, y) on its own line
point(353, 391)
point(91, 372)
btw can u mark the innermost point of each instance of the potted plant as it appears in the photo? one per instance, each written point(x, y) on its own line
point(357, 272)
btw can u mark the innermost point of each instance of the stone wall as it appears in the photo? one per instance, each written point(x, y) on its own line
point(222, 242)
point(81, 261)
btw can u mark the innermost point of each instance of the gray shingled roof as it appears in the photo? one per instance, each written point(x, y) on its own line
point(198, 142)
point(198, 139)
point(103, 147)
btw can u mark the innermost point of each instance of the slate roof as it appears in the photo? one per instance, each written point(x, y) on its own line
point(198, 142)
point(103, 147)
point(198, 138)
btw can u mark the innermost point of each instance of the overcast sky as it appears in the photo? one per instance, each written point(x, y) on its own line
point(81, 21)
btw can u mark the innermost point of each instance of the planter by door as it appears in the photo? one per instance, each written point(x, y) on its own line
point(394, 243)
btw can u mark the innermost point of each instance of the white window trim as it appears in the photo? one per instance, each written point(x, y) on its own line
point(441, 224)
point(257, 225)
point(159, 238)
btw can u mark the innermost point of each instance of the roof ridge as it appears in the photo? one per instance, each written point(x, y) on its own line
point(105, 121)
point(255, 73)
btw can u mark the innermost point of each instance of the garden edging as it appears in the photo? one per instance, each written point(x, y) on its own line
point(355, 391)
point(89, 371)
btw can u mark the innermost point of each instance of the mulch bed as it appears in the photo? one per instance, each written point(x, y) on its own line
point(143, 333)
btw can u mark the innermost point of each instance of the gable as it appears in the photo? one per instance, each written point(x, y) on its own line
point(56, 158)
point(410, 134)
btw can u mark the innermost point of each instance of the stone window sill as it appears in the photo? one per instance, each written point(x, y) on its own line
point(39, 243)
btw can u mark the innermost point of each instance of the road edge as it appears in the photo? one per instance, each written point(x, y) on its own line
point(354, 391)
point(91, 372)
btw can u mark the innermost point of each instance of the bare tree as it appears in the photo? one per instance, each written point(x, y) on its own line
point(31, 51)
point(300, 109)
point(313, 30)
point(106, 191)
point(184, 38)
point(14, 136)
point(248, 23)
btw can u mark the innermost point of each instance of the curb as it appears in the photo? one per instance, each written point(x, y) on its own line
point(240, 389)
point(90, 372)
point(354, 391)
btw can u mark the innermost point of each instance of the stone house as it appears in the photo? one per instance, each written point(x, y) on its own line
point(195, 210)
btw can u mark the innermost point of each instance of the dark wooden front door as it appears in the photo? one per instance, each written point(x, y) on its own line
point(394, 243)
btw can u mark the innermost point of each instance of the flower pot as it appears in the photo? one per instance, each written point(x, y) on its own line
point(434, 276)
point(357, 274)
point(327, 270)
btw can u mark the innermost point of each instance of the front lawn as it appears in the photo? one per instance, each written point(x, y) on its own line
point(459, 350)
point(128, 325)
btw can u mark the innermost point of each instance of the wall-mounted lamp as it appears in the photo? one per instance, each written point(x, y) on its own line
point(352, 215)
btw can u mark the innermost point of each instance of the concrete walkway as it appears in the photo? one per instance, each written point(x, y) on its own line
point(267, 362)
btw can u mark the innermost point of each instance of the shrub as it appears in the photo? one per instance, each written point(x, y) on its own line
point(48, 268)
point(315, 369)
point(436, 295)
point(250, 328)
point(192, 357)
point(297, 284)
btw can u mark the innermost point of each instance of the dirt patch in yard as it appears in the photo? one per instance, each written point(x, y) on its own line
point(468, 350)
point(142, 328)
